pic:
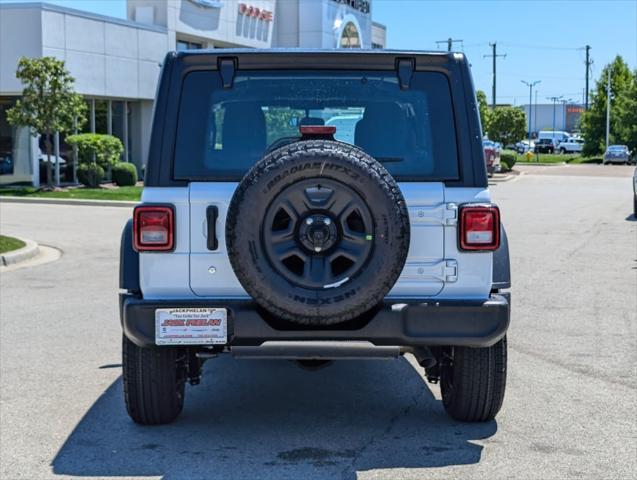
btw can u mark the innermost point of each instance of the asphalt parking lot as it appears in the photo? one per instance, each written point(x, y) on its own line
point(570, 410)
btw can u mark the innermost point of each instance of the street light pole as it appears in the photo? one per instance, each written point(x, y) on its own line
point(565, 102)
point(535, 112)
point(607, 108)
point(530, 85)
point(555, 100)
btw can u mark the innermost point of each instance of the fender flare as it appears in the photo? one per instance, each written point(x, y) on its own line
point(501, 277)
point(128, 261)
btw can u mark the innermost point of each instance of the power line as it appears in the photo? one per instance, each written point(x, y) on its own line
point(562, 94)
point(538, 47)
point(525, 46)
point(494, 55)
point(522, 74)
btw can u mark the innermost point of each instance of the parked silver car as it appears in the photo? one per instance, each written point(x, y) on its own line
point(616, 154)
point(524, 146)
point(635, 193)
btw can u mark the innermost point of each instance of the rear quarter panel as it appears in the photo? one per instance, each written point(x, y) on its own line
point(166, 274)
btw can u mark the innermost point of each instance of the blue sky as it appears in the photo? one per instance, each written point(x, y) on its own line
point(542, 39)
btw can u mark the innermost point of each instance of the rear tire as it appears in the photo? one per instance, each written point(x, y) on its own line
point(154, 383)
point(473, 385)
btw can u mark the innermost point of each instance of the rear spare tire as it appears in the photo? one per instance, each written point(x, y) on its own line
point(317, 232)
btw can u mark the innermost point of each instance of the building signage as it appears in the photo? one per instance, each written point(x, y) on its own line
point(208, 3)
point(362, 6)
point(259, 13)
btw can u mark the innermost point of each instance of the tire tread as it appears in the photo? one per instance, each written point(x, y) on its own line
point(151, 389)
point(479, 379)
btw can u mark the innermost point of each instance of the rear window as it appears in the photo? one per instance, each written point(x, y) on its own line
point(221, 133)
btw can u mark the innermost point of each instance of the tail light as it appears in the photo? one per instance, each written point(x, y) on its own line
point(153, 228)
point(479, 227)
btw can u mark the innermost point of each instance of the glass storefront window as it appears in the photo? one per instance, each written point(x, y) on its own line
point(86, 127)
point(101, 116)
point(7, 133)
point(119, 129)
point(186, 45)
point(15, 148)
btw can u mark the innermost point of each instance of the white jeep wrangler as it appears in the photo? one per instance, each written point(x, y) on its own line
point(315, 206)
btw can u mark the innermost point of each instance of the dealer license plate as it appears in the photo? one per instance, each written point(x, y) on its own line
point(191, 326)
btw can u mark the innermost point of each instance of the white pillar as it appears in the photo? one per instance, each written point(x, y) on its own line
point(34, 150)
point(56, 149)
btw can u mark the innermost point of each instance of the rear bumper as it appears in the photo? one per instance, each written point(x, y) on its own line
point(396, 323)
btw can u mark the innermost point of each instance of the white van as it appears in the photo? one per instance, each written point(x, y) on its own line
point(557, 136)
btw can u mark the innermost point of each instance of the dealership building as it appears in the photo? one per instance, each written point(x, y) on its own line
point(561, 116)
point(116, 62)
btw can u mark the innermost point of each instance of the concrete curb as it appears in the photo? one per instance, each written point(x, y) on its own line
point(68, 201)
point(30, 250)
point(536, 164)
point(503, 177)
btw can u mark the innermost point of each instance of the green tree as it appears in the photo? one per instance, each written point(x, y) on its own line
point(485, 111)
point(627, 116)
point(594, 120)
point(49, 103)
point(507, 125)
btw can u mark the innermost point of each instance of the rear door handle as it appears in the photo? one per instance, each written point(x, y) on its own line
point(212, 213)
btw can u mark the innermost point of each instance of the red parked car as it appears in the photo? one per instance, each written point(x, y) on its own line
point(491, 156)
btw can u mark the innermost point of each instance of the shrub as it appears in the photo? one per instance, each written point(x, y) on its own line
point(105, 150)
point(507, 160)
point(124, 174)
point(90, 174)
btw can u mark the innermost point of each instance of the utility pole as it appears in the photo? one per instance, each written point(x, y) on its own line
point(608, 108)
point(530, 85)
point(494, 55)
point(450, 41)
point(588, 65)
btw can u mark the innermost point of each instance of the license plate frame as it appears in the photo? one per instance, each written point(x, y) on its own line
point(191, 326)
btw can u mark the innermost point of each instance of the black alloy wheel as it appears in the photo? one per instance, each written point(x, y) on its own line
point(318, 233)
